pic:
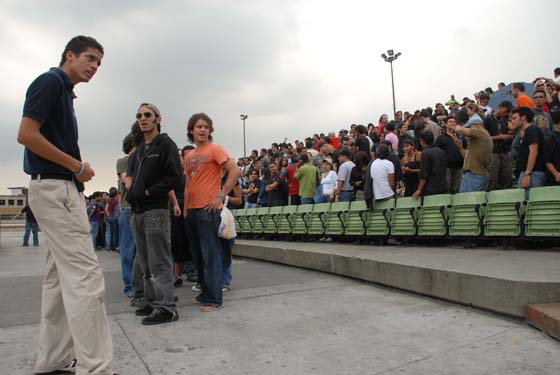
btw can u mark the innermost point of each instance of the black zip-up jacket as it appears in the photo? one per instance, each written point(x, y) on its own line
point(155, 168)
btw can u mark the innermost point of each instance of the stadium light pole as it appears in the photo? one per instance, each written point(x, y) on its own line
point(390, 57)
point(243, 118)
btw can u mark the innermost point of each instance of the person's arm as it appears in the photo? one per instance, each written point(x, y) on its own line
point(392, 181)
point(423, 176)
point(236, 198)
point(233, 174)
point(30, 136)
point(271, 186)
point(531, 161)
point(465, 132)
point(186, 195)
point(171, 165)
point(174, 203)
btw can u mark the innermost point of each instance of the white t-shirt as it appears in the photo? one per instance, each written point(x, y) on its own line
point(380, 171)
point(329, 182)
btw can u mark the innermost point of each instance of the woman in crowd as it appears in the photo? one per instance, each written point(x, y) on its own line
point(410, 164)
point(329, 180)
point(383, 120)
point(357, 175)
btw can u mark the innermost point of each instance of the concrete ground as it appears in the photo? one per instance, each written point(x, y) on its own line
point(282, 320)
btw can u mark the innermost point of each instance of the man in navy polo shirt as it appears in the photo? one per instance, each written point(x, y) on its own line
point(73, 315)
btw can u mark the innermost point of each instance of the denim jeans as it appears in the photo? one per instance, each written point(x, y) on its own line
point(127, 249)
point(112, 233)
point(251, 205)
point(227, 247)
point(473, 182)
point(538, 179)
point(345, 196)
point(31, 227)
point(307, 200)
point(94, 231)
point(202, 231)
point(152, 236)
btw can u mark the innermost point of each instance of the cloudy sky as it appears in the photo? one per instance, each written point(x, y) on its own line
point(295, 67)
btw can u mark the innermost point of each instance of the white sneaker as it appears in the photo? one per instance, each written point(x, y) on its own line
point(196, 288)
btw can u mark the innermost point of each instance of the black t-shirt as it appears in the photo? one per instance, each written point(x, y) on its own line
point(363, 144)
point(252, 198)
point(447, 144)
point(433, 168)
point(497, 127)
point(278, 193)
point(29, 217)
point(551, 154)
point(532, 135)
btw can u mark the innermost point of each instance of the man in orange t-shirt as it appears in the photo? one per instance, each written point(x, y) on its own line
point(204, 199)
point(518, 92)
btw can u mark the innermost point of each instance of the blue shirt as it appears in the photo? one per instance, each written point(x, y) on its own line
point(50, 100)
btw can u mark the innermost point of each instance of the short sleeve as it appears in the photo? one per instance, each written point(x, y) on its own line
point(220, 155)
point(390, 167)
point(42, 96)
point(548, 152)
point(532, 136)
point(343, 173)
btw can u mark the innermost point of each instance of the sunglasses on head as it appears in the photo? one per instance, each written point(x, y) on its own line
point(146, 115)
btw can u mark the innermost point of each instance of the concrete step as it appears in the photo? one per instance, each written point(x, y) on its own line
point(502, 281)
point(545, 317)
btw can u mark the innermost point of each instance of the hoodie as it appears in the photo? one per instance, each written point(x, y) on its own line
point(155, 169)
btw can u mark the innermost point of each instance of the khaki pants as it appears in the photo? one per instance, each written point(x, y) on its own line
point(73, 315)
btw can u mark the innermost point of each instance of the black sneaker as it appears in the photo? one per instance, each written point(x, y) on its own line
point(68, 369)
point(159, 317)
point(137, 302)
point(178, 282)
point(144, 311)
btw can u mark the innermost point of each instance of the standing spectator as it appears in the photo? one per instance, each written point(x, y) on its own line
point(343, 191)
point(204, 200)
point(478, 158)
point(93, 215)
point(74, 280)
point(530, 160)
point(454, 147)
point(363, 142)
point(393, 158)
point(552, 152)
point(500, 176)
point(410, 165)
point(357, 175)
point(308, 176)
point(155, 170)
point(431, 125)
point(383, 120)
point(484, 98)
point(383, 174)
point(234, 202)
point(403, 136)
point(112, 216)
point(30, 226)
point(518, 92)
point(392, 137)
point(329, 180)
point(275, 187)
point(251, 190)
point(293, 184)
point(541, 118)
point(433, 168)
point(324, 150)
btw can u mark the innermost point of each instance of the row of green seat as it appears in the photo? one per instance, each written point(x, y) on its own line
point(500, 213)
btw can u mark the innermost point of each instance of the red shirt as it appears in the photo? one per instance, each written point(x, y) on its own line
point(293, 188)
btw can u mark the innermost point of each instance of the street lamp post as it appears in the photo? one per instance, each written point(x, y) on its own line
point(243, 118)
point(390, 57)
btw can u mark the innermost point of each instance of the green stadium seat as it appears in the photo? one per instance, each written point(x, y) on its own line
point(239, 216)
point(285, 221)
point(379, 219)
point(273, 219)
point(336, 219)
point(543, 212)
point(432, 216)
point(318, 218)
point(503, 216)
point(405, 216)
point(259, 220)
point(356, 219)
point(301, 219)
point(247, 224)
point(467, 214)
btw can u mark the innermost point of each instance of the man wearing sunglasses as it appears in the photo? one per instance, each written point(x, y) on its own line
point(73, 315)
point(154, 170)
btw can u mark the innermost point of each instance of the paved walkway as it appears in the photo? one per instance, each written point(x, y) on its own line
point(282, 320)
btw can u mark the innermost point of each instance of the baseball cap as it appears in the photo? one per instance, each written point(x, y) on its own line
point(328, 160)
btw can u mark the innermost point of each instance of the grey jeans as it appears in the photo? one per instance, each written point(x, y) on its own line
point(152, 234)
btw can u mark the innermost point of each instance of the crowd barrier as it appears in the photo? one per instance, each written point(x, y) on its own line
point(497, 214)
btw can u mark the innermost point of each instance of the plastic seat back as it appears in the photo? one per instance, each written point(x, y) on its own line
point(467, 214)
point(432, 216)
point(356, 219)
point(336, 218)
point(504, 213)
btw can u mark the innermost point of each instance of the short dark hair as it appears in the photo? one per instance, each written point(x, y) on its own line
point(79, 44)
point(557, 71)
point(427, 137)
point(360, 129)
point(346, 153)
point(187, 148)
point(449, 118)
point(507, 105)
point(383, 151)
point(540, 92)
point(524, 111)
point(519, 85)
point(391, 126)
point(192, 121)
point(424, 113)
point(304, 157)
point(408, 142)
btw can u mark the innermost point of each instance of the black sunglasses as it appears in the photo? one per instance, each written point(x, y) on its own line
point(146, 115)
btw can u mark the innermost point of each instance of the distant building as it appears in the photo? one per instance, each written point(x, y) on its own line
point(12, 203)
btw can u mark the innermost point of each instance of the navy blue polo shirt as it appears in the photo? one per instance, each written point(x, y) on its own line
point(50, 100)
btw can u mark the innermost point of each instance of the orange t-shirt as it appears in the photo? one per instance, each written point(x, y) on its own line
point(203, 168)
point(524, 101)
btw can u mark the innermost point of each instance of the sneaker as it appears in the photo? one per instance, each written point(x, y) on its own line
point(68, 369)
point(225, 288)
point(144, 311)
point(196, 288)
point(129, 295)
point(137, 302)
point(178, 283)
point(159, 317)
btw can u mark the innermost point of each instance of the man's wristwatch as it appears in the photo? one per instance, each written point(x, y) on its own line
point(528, 173)
point(221, 197)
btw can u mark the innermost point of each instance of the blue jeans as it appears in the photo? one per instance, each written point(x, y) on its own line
point(31, 227)
point(307, 200)
point(345, 196)
point(251, 205)
point(112, 233)
point(127, 249)
point(202, 231)
point(94, 231)
point(473, 182)
point(227, 247)
point(538, 179)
